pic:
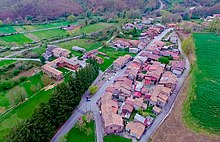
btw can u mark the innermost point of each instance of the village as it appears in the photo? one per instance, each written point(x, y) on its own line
point(130, 105)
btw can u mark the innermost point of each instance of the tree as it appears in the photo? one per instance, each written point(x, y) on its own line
point(71, 18)
point(33, 88)
point(93, 89)
point(164, 60)
point(1, 22)
point(17, 95)
point(188, 45)
point(46, 79)
point(42, 59)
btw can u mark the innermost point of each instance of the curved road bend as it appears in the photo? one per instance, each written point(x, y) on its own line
point(85, 106)
point(169, 106)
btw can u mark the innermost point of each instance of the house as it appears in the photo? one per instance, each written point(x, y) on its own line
point(121, 43)
point(142, 45)
point(136, 129)
point(137, 94)
point(171, 25)
point(159, 43)
point(134, 43)
point(140, 118)
point(178, 67)
point(173, 38)
point(113, 123)
point(128, 26)
point(156, 110)
point(121, 62)
point(153, 100)
point(160, 89)
point(149, 120)
point(60, 52)
point(48, 52)
point(90, 54)
point(77, 48)
point(169, 80)
point(71, 27)
point(138, 103)
point(51, 71)
point(134, 50)
point(162, 100)
point(216, 16)
point(47, 55)
point(98, 59)
point(139, 86)
point(127, 110)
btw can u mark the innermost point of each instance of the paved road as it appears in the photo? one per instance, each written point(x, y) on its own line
point(161, 5)
point(169, 106)
point(86, 106)
point(20, 59)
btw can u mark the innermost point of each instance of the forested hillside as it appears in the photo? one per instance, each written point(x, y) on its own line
point(51, 9)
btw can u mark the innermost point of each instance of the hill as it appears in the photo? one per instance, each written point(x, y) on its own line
point(52, 9)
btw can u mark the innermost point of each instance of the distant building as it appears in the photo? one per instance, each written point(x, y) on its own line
point(121, 62)
point(77, 48)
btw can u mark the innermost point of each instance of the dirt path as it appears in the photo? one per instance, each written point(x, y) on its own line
point(173, 128)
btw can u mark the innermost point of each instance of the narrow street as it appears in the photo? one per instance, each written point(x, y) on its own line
point(20, 59)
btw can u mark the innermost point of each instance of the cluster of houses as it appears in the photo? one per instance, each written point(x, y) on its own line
point(93, 55)
point(211, 18)
point(134, 46)
point(146, 85)
point(55, 51)
point(62, 61)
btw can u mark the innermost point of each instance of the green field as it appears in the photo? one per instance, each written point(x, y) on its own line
point(7, 29)
point(115, 138)
point(93, 28)
point(75, 135)
point(48, 34)
point(202, 108)
point(84, 43)
point(112, 54)
point(6, 62)
point(22, 112)
point(18, 38)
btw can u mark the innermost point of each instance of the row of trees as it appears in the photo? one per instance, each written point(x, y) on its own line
point(48, 117)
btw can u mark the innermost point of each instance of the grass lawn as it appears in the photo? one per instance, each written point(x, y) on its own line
point(75, 135)
point(113, 54)
point(93, 28)
point(202, 109)
point(6, 62)
point(39, 50)
point(84, 43)
point(48, 34)
point(115, 138)
point(22, 112)
point(7, 29)
point(19, 39)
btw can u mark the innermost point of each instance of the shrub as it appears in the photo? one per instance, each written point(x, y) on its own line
point(23, 78)
point(164, 60)
point(16, 72)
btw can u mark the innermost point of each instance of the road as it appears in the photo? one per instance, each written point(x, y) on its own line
point(20, 59)
point(91, 105)
point(52, 42)
point(169, 106)
point(161, 5)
